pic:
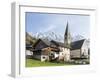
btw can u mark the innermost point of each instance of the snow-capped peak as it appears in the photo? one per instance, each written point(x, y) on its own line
point(48, 35)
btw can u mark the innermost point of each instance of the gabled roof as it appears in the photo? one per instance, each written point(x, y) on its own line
point(46, 42)
point(51, 43)
point(77, 44)
point(58, 43)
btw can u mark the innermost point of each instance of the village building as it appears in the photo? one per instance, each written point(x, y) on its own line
point(80, 49)
point(44, 49)
point(29, 51)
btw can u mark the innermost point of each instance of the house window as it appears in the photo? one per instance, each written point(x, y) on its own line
point(43, 57)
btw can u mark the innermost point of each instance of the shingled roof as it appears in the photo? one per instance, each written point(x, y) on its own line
point(51, 43)
point(46, 42)
point(77, 44)
point(58, 43)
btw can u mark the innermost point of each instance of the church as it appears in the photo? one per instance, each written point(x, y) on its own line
point(45, 50)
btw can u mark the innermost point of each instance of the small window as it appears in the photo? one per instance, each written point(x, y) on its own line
point(43, 57)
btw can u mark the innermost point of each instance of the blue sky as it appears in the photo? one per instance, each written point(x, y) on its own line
point(43, 22)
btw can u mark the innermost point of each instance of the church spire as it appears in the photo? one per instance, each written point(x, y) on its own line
point(66, 30)
point(67, 36)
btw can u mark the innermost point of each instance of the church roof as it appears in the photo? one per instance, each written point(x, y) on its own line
point(77, 44)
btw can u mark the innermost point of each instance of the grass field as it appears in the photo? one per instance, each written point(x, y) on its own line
point(37, 63)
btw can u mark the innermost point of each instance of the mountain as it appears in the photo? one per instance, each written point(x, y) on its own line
point(32, 38)
point(49, 36)
point(77, 37)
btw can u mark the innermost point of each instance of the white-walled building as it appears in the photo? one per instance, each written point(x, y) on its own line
point(80, 49)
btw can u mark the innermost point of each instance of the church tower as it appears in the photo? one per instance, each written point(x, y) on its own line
point(67, 36)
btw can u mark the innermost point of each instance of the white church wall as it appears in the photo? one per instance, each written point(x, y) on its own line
point(75, 53)
point(65, 54)
point(84, 49)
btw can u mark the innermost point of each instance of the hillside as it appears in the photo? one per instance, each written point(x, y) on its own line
point(30, 39)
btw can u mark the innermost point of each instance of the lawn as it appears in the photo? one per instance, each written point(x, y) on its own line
point(37, 63)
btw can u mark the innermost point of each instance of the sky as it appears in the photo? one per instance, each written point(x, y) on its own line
point(44, 22)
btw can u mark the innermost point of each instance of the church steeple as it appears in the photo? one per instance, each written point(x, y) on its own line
point(66, 30)
point(67, 36)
